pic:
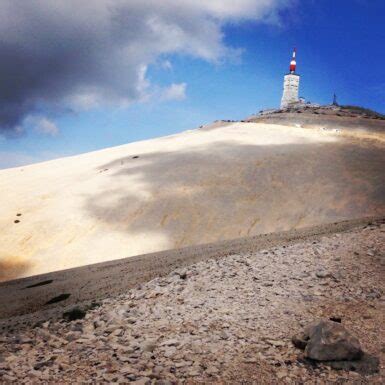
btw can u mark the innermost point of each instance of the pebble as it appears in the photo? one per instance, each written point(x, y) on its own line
point(148, 346)
point(172, 342)
point(322, 274)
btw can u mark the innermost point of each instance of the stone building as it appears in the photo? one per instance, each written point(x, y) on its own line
point(291, 85)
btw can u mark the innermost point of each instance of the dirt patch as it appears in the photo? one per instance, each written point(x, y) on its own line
point(13, 266)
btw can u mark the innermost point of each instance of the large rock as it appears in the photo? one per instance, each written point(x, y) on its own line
point(330, 341)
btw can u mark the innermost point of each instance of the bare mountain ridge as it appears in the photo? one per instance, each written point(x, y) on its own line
point(329, 117)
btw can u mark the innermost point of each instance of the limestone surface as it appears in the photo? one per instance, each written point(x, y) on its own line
point(221, 182)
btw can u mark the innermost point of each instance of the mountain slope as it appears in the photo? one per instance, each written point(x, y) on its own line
point(226, 181)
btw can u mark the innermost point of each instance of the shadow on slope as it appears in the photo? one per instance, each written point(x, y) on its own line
point(228, 190)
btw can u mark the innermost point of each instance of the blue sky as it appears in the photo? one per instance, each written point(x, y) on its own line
point(340, 49)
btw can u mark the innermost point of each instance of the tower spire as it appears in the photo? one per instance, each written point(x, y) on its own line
point(293, 63)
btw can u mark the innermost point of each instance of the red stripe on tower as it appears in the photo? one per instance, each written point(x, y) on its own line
point(293, 63)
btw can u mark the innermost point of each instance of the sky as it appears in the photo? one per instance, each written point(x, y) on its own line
point(81, 76)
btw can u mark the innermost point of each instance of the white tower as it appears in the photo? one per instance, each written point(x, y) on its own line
point(290, 85)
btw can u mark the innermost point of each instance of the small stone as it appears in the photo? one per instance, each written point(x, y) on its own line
point(142, 381)
point(163, 382)
point(281, 374)
point(276, 343)
point(148, 346)
point(181, 273)
point(322, 274)
point(250, 360)
point(170, 352)
point(127, 370)
point(153, 294)
point(212, 370)
point(223, 335)
point(194, 372)
point(172, 342)
point(117, 332)
point(182, 364)
point(43, 364)
point(8, 379)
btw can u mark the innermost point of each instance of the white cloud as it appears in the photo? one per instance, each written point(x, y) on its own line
point(174, 92)
point(42, 125)
point(84, 54)
point(46, 126)
point(166, 65)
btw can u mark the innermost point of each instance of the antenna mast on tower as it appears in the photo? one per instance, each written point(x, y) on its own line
point(293, 63)
point(335, 103)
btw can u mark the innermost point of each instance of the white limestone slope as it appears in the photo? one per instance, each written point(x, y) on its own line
point(199, 186)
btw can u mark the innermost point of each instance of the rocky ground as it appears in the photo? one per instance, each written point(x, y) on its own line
point(226, 321)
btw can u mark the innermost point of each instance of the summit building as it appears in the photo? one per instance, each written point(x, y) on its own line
point(291, 85)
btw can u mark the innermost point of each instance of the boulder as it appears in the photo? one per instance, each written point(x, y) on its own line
point(330, 341)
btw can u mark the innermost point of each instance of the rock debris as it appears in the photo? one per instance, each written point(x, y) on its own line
point(224, 321)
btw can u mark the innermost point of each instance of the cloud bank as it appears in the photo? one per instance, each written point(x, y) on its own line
point(70, 54)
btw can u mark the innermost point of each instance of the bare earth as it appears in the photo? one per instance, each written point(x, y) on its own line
point(25, 301)
point(225, 321)
point(200, 186)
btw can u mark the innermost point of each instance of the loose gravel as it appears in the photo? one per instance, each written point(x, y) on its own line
point(224, 321)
